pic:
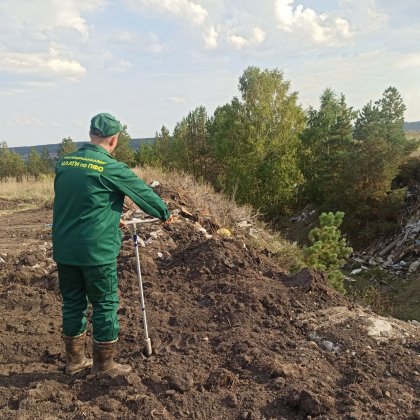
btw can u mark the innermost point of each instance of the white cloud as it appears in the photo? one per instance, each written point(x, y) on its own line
point(239, 29)
point(41, 64)
point(123, 37)
point(321, 28)
point(177, 99)
point(259, 34)
point(121, 66)
point(130, 41)
point(256, 35)
point(114, 63)
point(23, 120)
point(237, 41)
point(38, 84)
point(153, 44)
point(409, 61)
point(188, 10)
point(210, 37)
point(364, 15)
point(376, 19)
point(11, 91)
point(23, 87)
point(44, 15)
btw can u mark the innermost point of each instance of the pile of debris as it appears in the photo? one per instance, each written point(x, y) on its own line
point(399, 252)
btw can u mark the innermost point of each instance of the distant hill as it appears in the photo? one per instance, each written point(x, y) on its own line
point(412, 126)
point(53, 148)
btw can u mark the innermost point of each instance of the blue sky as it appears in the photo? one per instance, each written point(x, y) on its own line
point(150, 62)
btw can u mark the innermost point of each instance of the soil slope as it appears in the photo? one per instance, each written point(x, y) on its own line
point(234, 336)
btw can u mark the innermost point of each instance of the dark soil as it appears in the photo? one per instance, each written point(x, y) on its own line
point(234, 337)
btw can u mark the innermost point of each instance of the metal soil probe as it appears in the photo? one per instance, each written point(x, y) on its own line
point(134, 222)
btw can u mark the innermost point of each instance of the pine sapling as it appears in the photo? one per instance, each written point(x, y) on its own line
point(329, 249)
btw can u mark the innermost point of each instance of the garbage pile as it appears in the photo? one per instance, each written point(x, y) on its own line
point(399, 252)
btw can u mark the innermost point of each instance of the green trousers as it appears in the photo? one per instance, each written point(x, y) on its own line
point(97, 285)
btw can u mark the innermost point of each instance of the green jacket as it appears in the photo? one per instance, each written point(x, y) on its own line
point(90, 186)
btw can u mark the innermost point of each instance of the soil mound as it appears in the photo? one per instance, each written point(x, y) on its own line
point(234, 337)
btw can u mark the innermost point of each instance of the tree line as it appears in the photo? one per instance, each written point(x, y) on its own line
point(264, 149)
point(12, 164)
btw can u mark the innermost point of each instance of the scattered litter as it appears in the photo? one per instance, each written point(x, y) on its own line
point(155, 234)
point(328, 345)
point(224, 232)
point(244, 224)
point(253, 232)
point(154, 184)
point(186, 213)
point(202, 230)
point(325, 344)
point(414, 266)
point(303, 216)
point(400, 252)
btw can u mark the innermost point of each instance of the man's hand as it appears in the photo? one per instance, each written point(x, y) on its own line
point(169, 221)
point(123, 224)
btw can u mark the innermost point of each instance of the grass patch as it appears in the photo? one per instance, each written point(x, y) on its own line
point(376, 289)
point(288, 255)
point(387, 294)
point(413, 135)
point(36, 192)
point(18, 208)
point(408, 299)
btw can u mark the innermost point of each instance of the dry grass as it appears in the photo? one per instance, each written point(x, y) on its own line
point(413, 134)
point(31, 191)
point(225, 212)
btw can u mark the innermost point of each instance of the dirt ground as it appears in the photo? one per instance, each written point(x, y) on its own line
point(234, 336)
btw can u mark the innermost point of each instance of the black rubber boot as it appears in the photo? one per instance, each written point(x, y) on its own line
point(103, 358)
point(76, 360)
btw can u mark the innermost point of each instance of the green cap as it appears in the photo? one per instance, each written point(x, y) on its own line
point(105, 125)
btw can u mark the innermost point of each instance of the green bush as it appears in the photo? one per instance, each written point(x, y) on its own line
point(329, 249)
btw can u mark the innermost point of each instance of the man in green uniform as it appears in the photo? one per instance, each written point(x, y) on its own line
point(90, 187)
